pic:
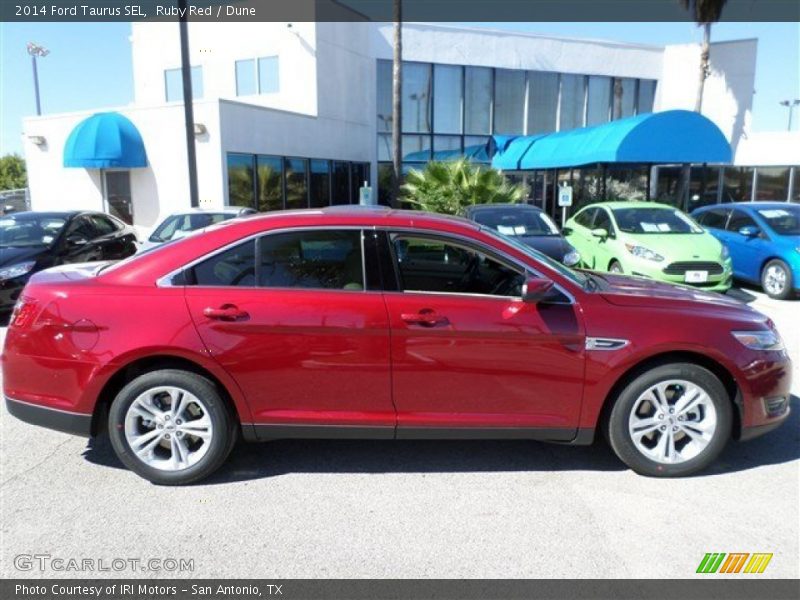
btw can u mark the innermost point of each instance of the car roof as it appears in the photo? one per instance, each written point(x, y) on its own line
point(63, 214)
point(495, 205)
point(631, 204)
point(747, 205)
point(226, 210)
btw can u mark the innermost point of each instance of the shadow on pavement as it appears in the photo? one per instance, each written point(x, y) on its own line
point(271, 459)
point(742, 295)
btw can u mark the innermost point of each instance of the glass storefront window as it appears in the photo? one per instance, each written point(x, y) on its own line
point(341, 183)
point(509, 101)
point(447, 98)
point(647, 96)
point(477, 100)
point(446, 143)
point(416, 148)
point(416, 97)
point(296, 183)
point(320, 183)
point(270, 182)
point(385, 147)
point(542, 102)
point(599, 98)
point(241, 180)
point(587, 187)
point(359, 175)
point(626, 183)
point(737, 184)
point(703, 186)
point(572, 101)
point(772, 183)
point(624, 97)
point(668, 185)
point(385, 176)
point(384, 95)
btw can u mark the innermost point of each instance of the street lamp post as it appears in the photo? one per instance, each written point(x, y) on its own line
point(790, 104)
point(36, 50)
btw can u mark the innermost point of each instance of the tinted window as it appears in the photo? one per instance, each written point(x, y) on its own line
point(312, 259)
point(103, 225)
point(82, 227)
point(234, 267)
point(516, 221)
point(584, 218)
point(603, 221)
point(435, 265)
point(783, 220)
point(16, 232)
point(714, 219)
point(740, 219)
point(642, 220)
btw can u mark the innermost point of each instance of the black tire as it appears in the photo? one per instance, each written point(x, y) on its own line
point(222, 420)
point(615, 267)
point(616, 426)
point(786, 292)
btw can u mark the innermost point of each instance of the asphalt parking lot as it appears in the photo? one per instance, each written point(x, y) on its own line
point(406, 509)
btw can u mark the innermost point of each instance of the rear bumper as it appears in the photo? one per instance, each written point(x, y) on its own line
point(52, 418)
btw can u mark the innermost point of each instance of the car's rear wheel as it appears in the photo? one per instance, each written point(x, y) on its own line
point(615, 267)
point(171, 427)
point(670, 421)
point(776, 279)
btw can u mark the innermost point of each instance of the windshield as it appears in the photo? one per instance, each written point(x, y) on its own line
point(654, 220)
point(574, 276)
point(516, 221)
point(783, 220)
point(35, 230)
point(185, 223)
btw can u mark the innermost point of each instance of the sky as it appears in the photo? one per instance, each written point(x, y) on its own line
point(89, 65)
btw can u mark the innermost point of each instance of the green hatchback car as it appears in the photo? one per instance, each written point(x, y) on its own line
point(649, 240)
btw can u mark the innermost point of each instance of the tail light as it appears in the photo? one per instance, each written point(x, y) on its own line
point(24, 312)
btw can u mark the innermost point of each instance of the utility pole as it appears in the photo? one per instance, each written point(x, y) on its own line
point(188, 106)
point(35, 50)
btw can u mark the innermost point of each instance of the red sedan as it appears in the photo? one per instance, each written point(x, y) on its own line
point(372, 323)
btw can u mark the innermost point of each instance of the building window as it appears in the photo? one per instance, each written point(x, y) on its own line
point(241, 180)
point(173, 84)
point(270, 182)
point(737, 184)
point(509, 101)
point(542, 102)
point(599, 109)
point(417, 98)
point(448, 86)
point(772, 183)
point(477, 100)
point(296, 182)
point(624, 97)
point(647, 96)
point(446, 143)
point(417, 148)
point(384, 96)
point(257, 76)
point(359, 175)
point(320, 183)
point(572, 101)
point(341, 183)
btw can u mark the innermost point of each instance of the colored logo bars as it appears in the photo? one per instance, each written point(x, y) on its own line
point(736, 562)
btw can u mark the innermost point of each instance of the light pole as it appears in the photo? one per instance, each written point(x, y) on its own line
point(790, 104)
point(36, 50)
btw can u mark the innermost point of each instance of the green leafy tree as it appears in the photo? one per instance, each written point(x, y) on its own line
point(449, 187)
point(12, 172)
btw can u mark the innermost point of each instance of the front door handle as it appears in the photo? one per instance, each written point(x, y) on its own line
point(427, 317)
point(226, 312)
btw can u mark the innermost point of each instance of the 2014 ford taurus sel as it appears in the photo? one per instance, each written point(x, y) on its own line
point(375, 323)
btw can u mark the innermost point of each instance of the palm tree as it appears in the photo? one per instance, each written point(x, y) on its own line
point(704, 13)
point(449, 187)
point(397, 108)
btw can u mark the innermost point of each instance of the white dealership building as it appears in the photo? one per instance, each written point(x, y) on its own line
point(298, 114)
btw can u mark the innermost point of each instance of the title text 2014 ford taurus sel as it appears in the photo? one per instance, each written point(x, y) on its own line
point(383, 324)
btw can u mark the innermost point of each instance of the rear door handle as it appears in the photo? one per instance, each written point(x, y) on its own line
point(226, 312)
point(426, 318)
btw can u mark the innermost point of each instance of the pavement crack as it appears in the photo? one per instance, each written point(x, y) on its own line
point(36, 465)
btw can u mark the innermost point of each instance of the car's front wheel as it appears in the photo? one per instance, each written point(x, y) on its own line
point(776, 279)
point(171, 427)
point(672, 420)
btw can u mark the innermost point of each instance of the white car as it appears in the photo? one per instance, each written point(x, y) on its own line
point(181, 224)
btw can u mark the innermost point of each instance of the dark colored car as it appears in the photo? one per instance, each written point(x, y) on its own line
point(528, 224)
point(32, 241)
point(381, 324)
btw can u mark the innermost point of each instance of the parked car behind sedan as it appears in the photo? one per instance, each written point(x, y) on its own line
point(764, 242)
point(650, 240)
point(32, 241)
point(528, 224)
point(181, 224)
point(383, 324)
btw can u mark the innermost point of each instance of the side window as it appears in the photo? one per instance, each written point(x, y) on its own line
point(603, 221)
point(430, 264)
point(321, 259)
point(83, 227)
point(585, 217)
point(714, 219)
point(103, 225)
point(740, 219)
point(235, 267)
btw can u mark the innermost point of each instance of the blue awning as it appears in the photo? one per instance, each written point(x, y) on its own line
point(673, 136)
point(105, 140)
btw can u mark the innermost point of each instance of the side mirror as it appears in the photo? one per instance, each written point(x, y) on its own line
point(76, 240)
point(600, 233)
point(566, 231)
point(536, 289)
point(750, 231)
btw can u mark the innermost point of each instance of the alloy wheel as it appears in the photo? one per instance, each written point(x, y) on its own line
point(775, 280)
point(673, 421)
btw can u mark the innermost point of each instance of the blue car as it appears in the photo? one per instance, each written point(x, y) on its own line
point(763, 239)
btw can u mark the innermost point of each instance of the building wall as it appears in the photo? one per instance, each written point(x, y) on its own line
point(778, 148)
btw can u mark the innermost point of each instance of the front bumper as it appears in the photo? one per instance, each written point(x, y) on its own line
point(52, 418)
point(716, 283)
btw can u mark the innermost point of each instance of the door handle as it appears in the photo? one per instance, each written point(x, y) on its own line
point(226, 312)
point(426, 318)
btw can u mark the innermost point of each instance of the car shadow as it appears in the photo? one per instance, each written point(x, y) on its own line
point(741, 294)
point(264, 460)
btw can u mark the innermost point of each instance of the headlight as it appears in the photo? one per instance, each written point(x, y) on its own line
point(571, 258)
point(17, 270)
point(725, 252)
point(643, 252)
point(760, 340)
